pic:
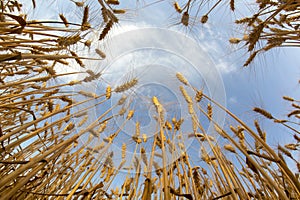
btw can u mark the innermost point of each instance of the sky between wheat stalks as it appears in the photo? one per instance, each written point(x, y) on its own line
point(262, 84)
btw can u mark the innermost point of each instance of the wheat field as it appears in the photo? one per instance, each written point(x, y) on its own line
point(60, 139)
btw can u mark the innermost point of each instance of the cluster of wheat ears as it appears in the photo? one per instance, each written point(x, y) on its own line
point(43, 119)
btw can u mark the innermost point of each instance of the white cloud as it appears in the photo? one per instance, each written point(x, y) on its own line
point(233, 100)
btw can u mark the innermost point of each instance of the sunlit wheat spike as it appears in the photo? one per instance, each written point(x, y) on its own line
point(240, 129)
point(155, 101)
point(230, 148)
point(124, 147)
point(199, 95)
point(250, 59)
point(199, 135)
point(119, 11)
point(285, 151)
point(88, 94)
point(136, 139)
point(144, 137)
point(122, 111)
point(65, 21)
point(92, 76)
point(177, 124)
point(187, 98)
point(235, 40)
point(296, 105)
point(100, 53)
point(191, 109)
point(106, 29)
point(102, 127)
point(158, 141)
point(242, 143)
point(181, 78)
point(108, 92)
point(109, 175)
point(103, 172)
point(110, 138)
point(297, 138)
point(137, 129)
point(168, 125)
point(84, 24)
point(294, 112)
point(204, 19)
point(113, 2)
point(69, 127)
point(281, 121)
point(130, 114)
point(177, 7)
point(159, 110)
point(263, 112)
point(126, 86)
point(79, 3)
point(122, 100)
point(254, 35)
point(251, 166)
point(185, 18)
point(57, 108)
point(104, 14)
point(74, 82)
point(51, 93)
point(209, 110)
point(77, 59)
point(291, 146)
point(232, 7)
point(197, 179)
point(245, 37)
point(69, 40)
point(261, 134)
point(88, 43)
